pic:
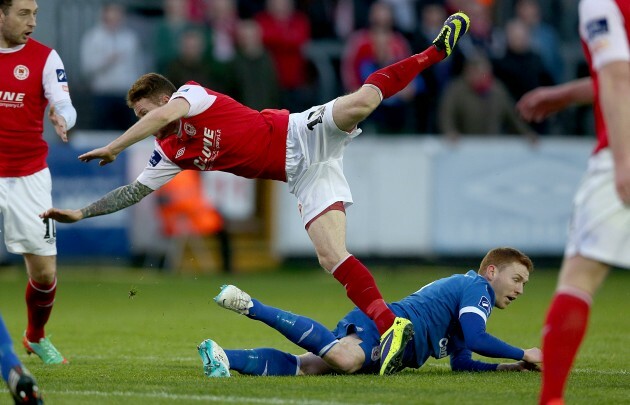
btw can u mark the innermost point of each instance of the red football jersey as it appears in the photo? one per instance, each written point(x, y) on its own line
point(23, 150)
point(605, 35)
point(222, 134)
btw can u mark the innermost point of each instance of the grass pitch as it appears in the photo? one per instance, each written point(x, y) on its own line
point(131, 337)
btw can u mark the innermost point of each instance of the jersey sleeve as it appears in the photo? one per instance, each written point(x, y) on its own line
point(602, 29)
point(159, 171)
point(55, 82)
point(461, 360)
point(479, 341)
point(478, 300)
point(197, 97)
point(475, 308)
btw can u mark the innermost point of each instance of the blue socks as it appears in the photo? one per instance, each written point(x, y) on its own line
point(263, 362)
point(304, 332)
point(8, 359)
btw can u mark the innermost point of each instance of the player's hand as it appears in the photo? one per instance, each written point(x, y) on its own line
point(533, 355)
point(61, 128)
point(64, 216)
point(540, 103)
point(103, 153)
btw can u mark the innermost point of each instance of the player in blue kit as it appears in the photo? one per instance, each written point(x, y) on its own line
point(22, 385)
point(449, 318)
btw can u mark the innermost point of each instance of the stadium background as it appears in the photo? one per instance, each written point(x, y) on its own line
point(417, 196)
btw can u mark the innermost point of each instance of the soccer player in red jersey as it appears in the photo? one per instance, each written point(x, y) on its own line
point(199, 129)
point(33, 76)
point(599, 235)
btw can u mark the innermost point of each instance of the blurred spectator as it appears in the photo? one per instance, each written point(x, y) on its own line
point(221, 18)
point(478, 104)
point(190, 62)
point(404, 16)
point(370, 49)
point(168, 31)
point(322, 15)
point(543, 37)
point(521, 69)
point(190, 218)
point(432, 16)
point(483, 36)
point(111, 60)
point(254, 78)
point(285, 32)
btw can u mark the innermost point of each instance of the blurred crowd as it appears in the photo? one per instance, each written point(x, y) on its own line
point(297, 53)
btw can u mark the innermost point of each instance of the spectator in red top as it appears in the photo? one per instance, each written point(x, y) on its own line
point(285, 32)
point(371, 49)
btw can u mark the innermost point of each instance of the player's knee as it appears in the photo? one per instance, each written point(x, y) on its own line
point(330, 260)
point(325, 262)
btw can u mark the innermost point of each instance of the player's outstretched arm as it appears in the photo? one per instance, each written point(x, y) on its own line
point(542, 102)
point(113, 201)
point(148, 125)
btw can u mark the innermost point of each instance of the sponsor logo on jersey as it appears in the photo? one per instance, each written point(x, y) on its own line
point(11, 99)
point(189, 129)
point(180, 152)
point(210, 151)
point(484, 303)
point(443, 343)
point(61, 76)
point(20, 72)
point(596, 28)
point(155, 158)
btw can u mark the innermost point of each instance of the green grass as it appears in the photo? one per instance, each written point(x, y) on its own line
point(143, 349)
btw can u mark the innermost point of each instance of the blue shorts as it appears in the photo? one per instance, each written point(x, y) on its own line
point(357, 322)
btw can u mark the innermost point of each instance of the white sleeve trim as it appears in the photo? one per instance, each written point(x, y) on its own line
point(473, 310)
point(156, 176)
point(197, 97)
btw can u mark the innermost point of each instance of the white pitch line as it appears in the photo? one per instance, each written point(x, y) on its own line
point(183, 397)
point(138, 358)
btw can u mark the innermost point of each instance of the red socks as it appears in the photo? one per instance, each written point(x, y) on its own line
point(564, 330)
point(362, 290)
point(39, 303)
point(393, 78)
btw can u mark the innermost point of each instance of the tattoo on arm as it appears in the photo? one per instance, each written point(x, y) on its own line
point(116, 200)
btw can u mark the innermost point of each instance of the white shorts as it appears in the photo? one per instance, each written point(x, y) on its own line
point(600, 225)
point(22, 199)
point(314, 160)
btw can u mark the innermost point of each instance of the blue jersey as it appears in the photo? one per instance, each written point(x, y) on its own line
point(435, 309)
point(441, 313)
